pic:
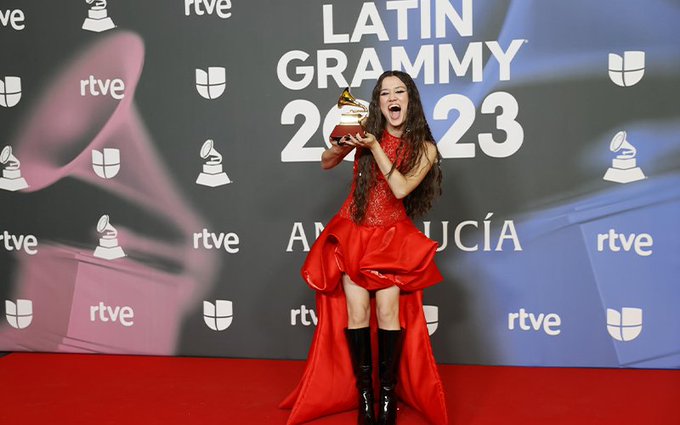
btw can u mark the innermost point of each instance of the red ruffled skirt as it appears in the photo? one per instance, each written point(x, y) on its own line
point(374, 257)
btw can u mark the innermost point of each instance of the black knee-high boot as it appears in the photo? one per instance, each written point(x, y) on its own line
point(389, 351)
point(359, 341)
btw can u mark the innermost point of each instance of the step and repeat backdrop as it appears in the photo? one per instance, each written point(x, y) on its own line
point(161, 183)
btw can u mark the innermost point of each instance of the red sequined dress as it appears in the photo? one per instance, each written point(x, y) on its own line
point(385, 249)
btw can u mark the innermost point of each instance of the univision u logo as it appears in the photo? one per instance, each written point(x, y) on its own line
point(627, 70)
point(211, 84)
point(625, 325)
point(431, 318)
point(19, 314)
point(106, 164)
point(218, 316)
point(10, 91)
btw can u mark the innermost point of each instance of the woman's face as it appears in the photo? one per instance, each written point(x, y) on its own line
point(394, 103)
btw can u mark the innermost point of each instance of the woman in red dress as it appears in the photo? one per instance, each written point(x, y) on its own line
point(371, 254)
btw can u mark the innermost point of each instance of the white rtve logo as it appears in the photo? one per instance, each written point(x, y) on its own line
point(550, 323)
point(211, 84)
point(627, 70)
point(125, 315)
point(228, 241)
point(641, 243)
point(10, 91)
point(625, 325)
point(107, 87)
point(307, 317)
point(203, 7)
point(218, 316)
point(27, 243)
point(19, 315)
point(106, 164)
point(12, 17)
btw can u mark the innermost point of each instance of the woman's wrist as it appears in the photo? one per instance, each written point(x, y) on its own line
point(375, 147)
point(336, 148)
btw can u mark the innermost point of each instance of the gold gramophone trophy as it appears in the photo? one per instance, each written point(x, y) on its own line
point(350, 121)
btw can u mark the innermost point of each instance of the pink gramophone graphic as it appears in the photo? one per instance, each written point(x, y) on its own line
point(67, 284)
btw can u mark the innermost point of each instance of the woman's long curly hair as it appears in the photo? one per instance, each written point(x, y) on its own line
point(415, 137)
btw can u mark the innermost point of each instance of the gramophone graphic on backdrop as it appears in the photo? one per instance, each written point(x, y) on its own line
point(11, 175)
point(98, 19)
point(108, 248)
point(351, 120)
point(624, 167)
point(213, 174)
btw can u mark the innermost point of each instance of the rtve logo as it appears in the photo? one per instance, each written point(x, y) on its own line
point(10, 91)
point(211, 84)
point(549, 322)
point(619, 241)
point(19, 315)
point(124, 315)
point(11, 242)
point(211, 240)
point(628, 70)
point(115, 88)
point(14, 18)
point(308, 317)
point(207, 7)
point(625, 325)
point(106, 164)
point(305, 315)
point(218, 316)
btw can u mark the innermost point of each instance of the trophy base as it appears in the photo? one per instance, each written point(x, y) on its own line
point(109, 253)
point(213, 180)
point(98, 25)
point(343, 130)
point(13, 184)
point(624, 176)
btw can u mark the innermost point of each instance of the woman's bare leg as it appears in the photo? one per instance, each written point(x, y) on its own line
point(387, 308)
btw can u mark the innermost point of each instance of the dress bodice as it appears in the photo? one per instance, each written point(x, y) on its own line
point(382, 208)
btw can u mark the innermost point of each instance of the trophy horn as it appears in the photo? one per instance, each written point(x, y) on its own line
point(347, 99)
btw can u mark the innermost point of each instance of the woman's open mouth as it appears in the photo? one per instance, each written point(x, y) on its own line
point(395, 111)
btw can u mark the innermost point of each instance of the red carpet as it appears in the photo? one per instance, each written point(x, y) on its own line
point(54, 389)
